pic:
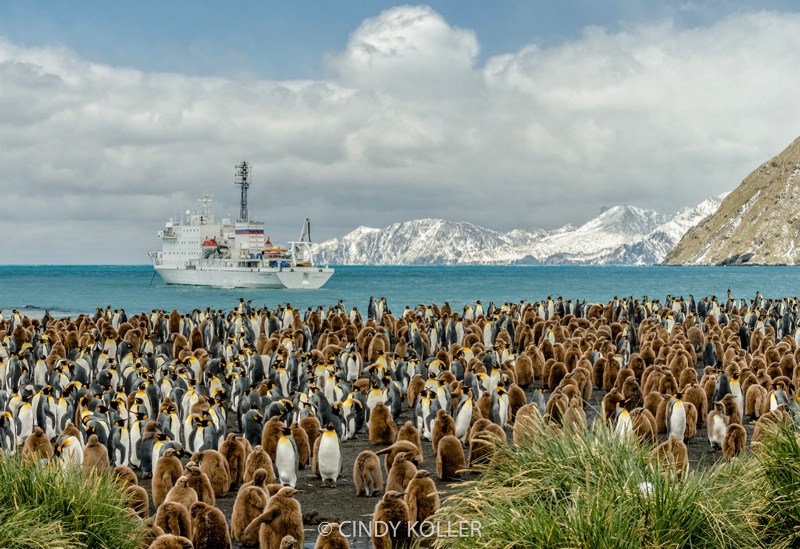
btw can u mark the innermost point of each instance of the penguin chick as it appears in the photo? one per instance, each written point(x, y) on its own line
point(450, 461)
point(168, 470)
point(673, 457)
point(125, 476)
point(201, 484)
point(174, 519)
point(717, 423)
point(303, 445)
point(367, 475)
point(410, 433)
point(95, 457)
point(216, 467)
point(151, 532)
point(37, 445)
point(169, 541)
point(273, 429)
point(421, 497)
point(181, 493)
point(331, 538)
point(735, 441)
point(391, 510)
point(403, 470)
point(282, 517)
point(235, 454)
point(138, 500)
point(396, 448)
point(730, 408)
point(443, 425)
point(382, 428)
point(258, 459)
point(250, 503)
point(483, 442)
point(525, 422)
point(209, 528)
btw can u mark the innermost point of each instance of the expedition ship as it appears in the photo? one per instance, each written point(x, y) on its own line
point(198, 250)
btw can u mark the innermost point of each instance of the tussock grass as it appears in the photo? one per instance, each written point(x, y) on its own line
point(777, 476)
point(45, 506)
point(27, 528)
point(587, 487)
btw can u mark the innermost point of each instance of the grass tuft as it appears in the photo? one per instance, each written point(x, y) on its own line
point(777, 477)
point(587, 487)
point(45, 506)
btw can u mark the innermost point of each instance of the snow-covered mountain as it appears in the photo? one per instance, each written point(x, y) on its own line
point(619, 235)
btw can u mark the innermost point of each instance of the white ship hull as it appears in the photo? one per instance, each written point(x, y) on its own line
point(294, 278)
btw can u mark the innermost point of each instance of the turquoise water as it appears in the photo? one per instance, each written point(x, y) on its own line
point(69, 290)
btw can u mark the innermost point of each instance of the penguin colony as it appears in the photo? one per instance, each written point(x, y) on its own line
point(153, 393)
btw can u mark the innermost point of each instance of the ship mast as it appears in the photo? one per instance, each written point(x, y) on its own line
point(243, 181)
point(305, 234)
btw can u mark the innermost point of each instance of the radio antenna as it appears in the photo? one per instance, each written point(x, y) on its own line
point(243, 181)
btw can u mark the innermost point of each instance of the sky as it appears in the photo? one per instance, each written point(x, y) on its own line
point(116, 116)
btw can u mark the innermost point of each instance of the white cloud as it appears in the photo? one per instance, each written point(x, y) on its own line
point(95, 158)
point(409, 49)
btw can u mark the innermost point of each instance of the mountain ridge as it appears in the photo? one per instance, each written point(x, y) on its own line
point(621, 234)
point(756, 224)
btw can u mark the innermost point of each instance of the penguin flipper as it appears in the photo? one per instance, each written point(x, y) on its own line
point(51, 415)
point(255, 524)
point(121, 447)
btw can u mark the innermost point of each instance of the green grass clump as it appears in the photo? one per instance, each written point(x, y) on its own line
point(587, 487)
point(27, 528)
point(777, 476)
point(45, 506)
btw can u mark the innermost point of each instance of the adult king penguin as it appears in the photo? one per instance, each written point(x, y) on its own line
point(286, 458)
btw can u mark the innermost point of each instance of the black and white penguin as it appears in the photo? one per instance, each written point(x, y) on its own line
point(329, 455)
point(287, 460)
point(8, 436)
point(676, 417)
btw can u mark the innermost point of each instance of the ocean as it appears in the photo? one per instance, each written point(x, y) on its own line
point(71, 290)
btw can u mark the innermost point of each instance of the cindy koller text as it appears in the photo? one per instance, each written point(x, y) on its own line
point(419, 529)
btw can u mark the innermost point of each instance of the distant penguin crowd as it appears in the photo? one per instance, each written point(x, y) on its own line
point(154, 395)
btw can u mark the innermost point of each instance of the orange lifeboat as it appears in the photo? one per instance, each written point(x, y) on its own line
point(209, 245)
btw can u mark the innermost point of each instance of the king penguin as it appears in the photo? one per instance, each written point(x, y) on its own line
point(623, 425)
point(464, 416)
point(286, 458)
point(8, 437)
point(329, 456)
point(736, 391)
point(676, 417)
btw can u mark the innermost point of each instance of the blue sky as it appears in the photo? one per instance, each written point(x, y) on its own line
point(289, 40)
point(114, 115)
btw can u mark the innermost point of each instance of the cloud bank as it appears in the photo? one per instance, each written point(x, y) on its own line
point(406, 125)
